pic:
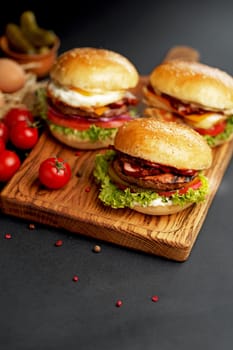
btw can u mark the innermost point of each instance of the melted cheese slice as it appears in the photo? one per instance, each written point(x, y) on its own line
point(80, 98)
point(205, 120)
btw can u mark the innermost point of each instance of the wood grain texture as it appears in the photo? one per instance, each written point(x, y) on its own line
point(76, 207)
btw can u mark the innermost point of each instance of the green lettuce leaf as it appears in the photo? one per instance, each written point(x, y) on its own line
point(41, 103)
point(213, 140)
point(93, 133)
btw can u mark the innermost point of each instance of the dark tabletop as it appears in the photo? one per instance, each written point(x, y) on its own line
point(41, 307)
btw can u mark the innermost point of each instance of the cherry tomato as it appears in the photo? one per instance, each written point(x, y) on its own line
point(215, 130)
point(54, 173)
point(15, 115)
point(24, 135)
point(9, 164)
point(2, 145)
point(4, 132)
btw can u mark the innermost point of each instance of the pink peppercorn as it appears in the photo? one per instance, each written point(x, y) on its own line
point(31, 226)
point(87, 189)
point(8, 236)
point(58, 243)
point(155, 298)
point(97, 249)
point(75, 278)
point(119, 303)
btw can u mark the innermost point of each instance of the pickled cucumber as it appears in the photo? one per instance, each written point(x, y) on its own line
point(43, 49)
point(17, 39)
point(36, 35)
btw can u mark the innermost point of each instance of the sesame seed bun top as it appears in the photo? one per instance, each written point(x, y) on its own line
point(171, 144)
point(194, 82)
point(94, 70)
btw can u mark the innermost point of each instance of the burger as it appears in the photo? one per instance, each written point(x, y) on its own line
point(88, 96)
point(154, 167)
point(199, 95)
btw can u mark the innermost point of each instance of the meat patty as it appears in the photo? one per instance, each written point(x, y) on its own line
point(89, 112)
point(161, 181)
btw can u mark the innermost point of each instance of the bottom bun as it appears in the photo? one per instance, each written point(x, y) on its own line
point(79, 143)
point(161, 209)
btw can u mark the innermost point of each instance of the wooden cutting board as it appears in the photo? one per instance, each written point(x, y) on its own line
point(77, 208)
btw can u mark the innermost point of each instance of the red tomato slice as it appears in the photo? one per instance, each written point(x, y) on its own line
point(195, 184)
point(82, 123)
point(215, 130)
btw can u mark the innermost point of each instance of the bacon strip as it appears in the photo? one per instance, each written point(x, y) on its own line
point(151, 175)
point(112, 110)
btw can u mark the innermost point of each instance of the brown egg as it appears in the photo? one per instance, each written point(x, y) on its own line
point(12, 75)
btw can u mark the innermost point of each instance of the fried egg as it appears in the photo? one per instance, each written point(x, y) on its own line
point(79, 98)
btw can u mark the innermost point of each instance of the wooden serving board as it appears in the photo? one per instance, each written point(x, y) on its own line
point(76, 207)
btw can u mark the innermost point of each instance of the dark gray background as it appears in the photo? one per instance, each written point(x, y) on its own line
point(41, 308)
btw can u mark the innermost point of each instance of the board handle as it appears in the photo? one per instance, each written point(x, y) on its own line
point(185, 53)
